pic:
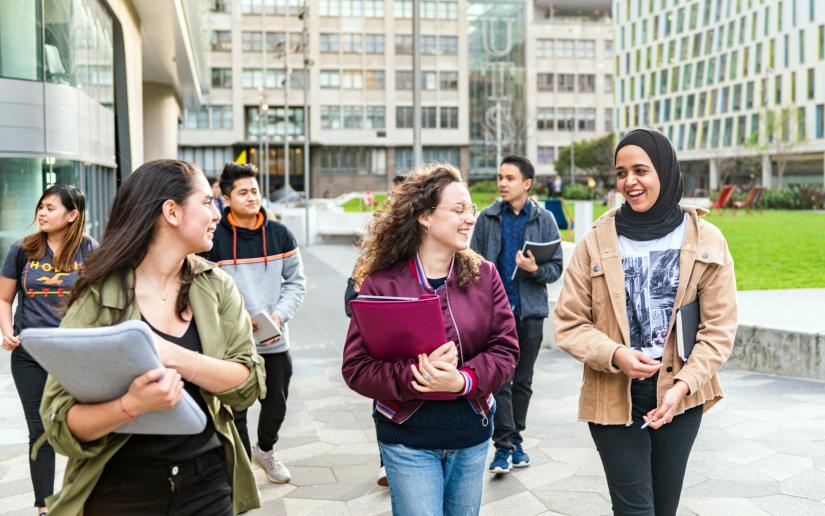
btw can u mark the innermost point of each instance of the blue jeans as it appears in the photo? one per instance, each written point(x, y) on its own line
point(435, 482)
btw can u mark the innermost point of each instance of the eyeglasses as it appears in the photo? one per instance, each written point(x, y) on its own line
point(462, 210)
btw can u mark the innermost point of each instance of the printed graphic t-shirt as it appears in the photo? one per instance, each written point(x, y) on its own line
point(42, 287)
point(651, 276)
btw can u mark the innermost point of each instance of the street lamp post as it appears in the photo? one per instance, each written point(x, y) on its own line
point(307, 64)
point(417, 151)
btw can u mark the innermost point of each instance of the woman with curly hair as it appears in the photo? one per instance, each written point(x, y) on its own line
point(434, 450)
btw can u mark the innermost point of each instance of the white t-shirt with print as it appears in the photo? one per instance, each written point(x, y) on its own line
point(651, 276)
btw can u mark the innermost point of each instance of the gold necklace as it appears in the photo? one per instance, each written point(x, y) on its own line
point(163, 298)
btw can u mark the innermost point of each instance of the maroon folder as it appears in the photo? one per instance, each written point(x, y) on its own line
point(399, 328)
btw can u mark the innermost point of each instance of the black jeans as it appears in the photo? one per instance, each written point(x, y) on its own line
point(645, 468)
point(197, 487)
point(30, 379)
point(513, 398)
point(273, 407)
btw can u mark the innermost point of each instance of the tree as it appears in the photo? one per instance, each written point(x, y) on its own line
point(781, 129)
point(593, 157)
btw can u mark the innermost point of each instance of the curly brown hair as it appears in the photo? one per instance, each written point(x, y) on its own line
point(394, 233)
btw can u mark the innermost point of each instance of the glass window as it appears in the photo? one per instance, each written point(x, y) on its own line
point(587, 119)
point(403, 8)
point(546, 155)
point(352, 80)
point(374, 79)
point(374, 8)
point(352, 160)
point(329, 43)
point(820, 121)
point(448, 81)
point(219, 6)
point(330, 79)
point(251, 41)
point(351, 43)
point(78, 48)
point(428, 45)
point(545, 119)
point(608, 119)
point(429, 80)
point(221, 41)
point(545, 81)
point(428, 10)
point(376, 117)
point(608, 47)
point(447, 10)
point(273, 122)
point(608, 83)
point(449, 117)
point(544, 48)
point(221, 77)
point(353, 117)
point(428, 117)
point(448, 45)
point(403, 44)
point(403, 80)
point(198, 119)
point(585, 48)
point(567, 82)
point(330, 117)
point(374, 43)
point(811, 83)
point(587, 83)
point(221, 117)
point(404, 117)
point(565, 48)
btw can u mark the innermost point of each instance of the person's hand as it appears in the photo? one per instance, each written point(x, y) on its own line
point(10, 341)
point(634, 363)
point(273, 340)
point(156, 390)
point(437, 376)
point(446, 352)
point(526, 262)
point(672, 398)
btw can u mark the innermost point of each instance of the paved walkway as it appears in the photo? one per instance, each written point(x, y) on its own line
point(761, 451)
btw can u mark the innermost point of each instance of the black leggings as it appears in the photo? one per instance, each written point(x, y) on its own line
point(645, 468)
point(273, 407)
point(196, 487)
point(30, 379)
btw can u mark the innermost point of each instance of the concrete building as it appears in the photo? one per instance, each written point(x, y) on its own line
point(571, 78)
point(89, 89)
point(479, 97)
point(738, 86)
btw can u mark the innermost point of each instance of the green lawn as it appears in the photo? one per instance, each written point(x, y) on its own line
point(775, 248)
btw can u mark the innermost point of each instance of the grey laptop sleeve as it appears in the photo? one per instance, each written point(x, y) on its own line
point(99, 364)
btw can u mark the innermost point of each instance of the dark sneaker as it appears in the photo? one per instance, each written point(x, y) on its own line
point(501, 462)
point(520, 459)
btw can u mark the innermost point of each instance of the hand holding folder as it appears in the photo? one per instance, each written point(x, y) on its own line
point(400, 328)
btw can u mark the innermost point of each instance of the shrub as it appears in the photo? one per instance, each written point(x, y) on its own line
point(781, 200)
point(578, 192)
point(485, 186)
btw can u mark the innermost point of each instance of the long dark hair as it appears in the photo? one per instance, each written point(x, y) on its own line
point(395, 233)
point(35, 244)
point(131, 227)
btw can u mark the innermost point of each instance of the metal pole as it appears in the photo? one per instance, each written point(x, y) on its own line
point(286, 122)
point(307, 64)
point(573, 150)
point(498, 132)
point(260, 145)
point(417, 154)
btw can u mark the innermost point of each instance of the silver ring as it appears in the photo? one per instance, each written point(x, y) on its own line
point(426, 377)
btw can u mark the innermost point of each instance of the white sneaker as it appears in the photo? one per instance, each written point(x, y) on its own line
point(382, 477)
point(275, 470)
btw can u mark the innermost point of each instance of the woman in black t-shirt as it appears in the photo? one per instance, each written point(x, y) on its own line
point(41, 270)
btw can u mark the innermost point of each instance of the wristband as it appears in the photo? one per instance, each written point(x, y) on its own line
point(197, 368)
point(123, 408)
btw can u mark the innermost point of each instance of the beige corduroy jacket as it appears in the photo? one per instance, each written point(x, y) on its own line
point(590, 319)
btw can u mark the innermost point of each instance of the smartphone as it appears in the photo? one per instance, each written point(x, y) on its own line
point(266, 328)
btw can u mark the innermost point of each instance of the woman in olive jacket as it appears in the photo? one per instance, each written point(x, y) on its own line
point(616, 313)
point(146, 269)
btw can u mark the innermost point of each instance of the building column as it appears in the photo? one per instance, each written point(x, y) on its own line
point(714, 175)
point(823, 169)
point(767, 171)
point(160, 122)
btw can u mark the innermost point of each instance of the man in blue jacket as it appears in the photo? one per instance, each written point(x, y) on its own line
point(499, 235)
point(262, 257)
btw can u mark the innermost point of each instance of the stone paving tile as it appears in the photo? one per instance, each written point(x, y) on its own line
point(718, 506)
point(311, 475)
point(807, 484)
point(731, 488)
point(542, 474)
point(781, 466)
point(574, 503)
point(523, 504)
point(501, 486)
point(374, 503)
point(314, 507)
point(340, 492)
point(784, 505)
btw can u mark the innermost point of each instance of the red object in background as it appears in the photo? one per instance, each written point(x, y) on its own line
point(369, 199)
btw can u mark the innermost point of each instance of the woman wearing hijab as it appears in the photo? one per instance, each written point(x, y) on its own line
point(616, 314)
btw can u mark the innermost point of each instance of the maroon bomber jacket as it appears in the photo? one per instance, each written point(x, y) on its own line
point(489, 342)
